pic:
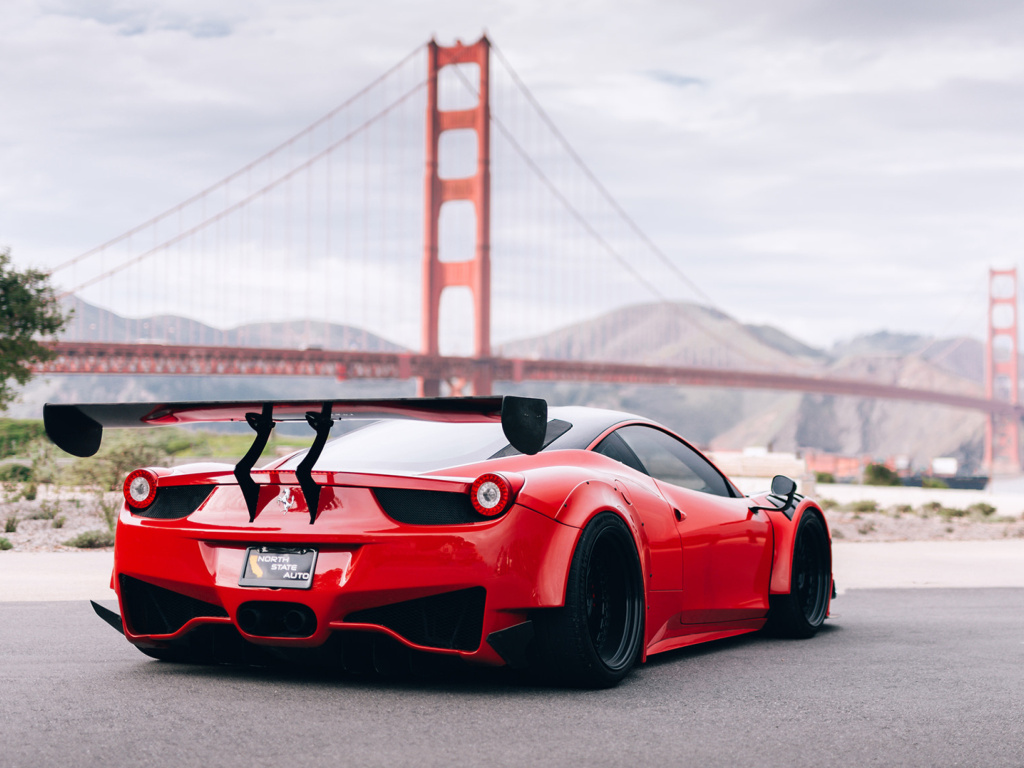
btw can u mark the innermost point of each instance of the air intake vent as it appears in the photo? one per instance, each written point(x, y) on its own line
point(452, 620)
point(153, 610)
point(427, 507)
point(174, 502)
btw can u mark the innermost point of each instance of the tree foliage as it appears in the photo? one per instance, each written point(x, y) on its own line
point(28, 311)
point(879, 474)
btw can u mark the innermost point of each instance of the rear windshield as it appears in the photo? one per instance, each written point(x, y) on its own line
point(406, 445)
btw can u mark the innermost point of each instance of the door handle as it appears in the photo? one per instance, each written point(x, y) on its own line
point(680, 516)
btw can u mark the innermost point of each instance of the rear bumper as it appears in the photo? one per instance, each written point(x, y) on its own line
point(435, 578)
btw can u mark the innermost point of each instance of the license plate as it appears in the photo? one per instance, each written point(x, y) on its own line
point(277, 567)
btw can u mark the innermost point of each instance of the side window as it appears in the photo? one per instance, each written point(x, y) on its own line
point(614, 448)
point(672, 461)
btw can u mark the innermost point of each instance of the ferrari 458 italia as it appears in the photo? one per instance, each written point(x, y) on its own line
point(573, 540)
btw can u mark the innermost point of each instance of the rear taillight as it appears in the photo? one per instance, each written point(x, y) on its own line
point(491, 494)
point(140, 488)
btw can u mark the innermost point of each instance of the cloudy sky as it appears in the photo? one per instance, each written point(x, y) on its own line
point(833, 168)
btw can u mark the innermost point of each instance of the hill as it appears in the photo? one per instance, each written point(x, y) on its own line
point(660, 334)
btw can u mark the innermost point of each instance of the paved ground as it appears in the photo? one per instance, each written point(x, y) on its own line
point(924, 677)
point(914, 677)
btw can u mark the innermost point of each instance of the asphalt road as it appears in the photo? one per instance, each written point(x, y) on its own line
point(930, 677)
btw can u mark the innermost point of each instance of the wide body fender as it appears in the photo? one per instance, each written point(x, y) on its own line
point(785, 530)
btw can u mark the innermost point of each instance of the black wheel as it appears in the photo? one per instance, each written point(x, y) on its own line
point(802, 612)
point(596, 638)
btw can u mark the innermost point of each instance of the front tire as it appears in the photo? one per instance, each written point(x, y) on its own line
point(802, 612)
point(596, 637)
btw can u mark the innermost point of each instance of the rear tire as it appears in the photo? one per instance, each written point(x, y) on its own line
point(597, 636)
point(802, 612)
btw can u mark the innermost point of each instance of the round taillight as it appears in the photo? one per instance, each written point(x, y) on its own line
point(491, 494)
point(140, 488)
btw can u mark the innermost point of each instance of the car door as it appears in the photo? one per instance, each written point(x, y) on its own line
point(726, 549)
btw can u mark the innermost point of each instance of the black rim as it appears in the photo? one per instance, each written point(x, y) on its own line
point(811, 572)
point(613, 602)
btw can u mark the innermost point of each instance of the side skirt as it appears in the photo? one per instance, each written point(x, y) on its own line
point(703, 633)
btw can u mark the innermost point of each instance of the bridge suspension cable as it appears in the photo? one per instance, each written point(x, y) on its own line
point(225, 212)
point(224, 182)
point(608, 197)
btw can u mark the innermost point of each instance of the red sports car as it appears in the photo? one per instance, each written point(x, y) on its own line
point(578, 541)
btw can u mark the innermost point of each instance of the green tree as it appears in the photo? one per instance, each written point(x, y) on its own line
point(28, 312)
point(879, 474)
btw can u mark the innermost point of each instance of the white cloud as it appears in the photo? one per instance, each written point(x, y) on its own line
point(863, 156)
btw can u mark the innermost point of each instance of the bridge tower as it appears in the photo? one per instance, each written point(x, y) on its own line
point(1002, 446)
point(474, 273)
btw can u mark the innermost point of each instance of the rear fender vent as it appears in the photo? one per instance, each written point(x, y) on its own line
point(153, 610)
point(414, 507)
point(452, 620)
point(174, 502)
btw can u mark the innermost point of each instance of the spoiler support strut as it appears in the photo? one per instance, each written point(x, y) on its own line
point(263, 423)
point(321, 424)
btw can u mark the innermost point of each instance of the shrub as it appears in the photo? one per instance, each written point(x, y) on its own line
point(11, 524)
point(827, 504)
point(119, 455)
point(16, 434)
point(5, 543)
point(933, 482)
point(864, 505)
point(47, 511)
point(30, 491)
point(15, 473)
point(981, 509)
point(91, 540)
point(948, 512)
point(58, 522)
point(824, 477)
point(902, 509)
point(879, 474)
point(865, 529)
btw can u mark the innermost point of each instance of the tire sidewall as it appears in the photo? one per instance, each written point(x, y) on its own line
point(605, 524)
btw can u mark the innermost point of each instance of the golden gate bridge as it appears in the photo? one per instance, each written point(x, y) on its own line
point(507, 232)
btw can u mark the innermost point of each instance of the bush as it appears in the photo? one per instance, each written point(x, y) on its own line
point(5, 543)
point(933, 482)
point(981, 509)
point(11, 524)
point(879, 474)
point(58, 522)
point(16, 434)
point(824, 477)
point(120, 454)
point(30, 491)
point(47, 511)
point(827, 504)
point(864, 505)
point(91, 540)
point(15, 473)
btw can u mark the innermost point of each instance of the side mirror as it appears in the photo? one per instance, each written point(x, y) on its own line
point(784, 490)
point(784, 486)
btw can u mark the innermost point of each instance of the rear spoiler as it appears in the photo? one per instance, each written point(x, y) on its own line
point(78, 429)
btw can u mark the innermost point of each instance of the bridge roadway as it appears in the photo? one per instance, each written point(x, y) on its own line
point(174, 360)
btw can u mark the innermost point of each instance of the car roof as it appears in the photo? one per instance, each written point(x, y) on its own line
point(587, 424)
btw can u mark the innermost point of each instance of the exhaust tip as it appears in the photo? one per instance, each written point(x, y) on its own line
point(249, 620)
point(274, 619)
